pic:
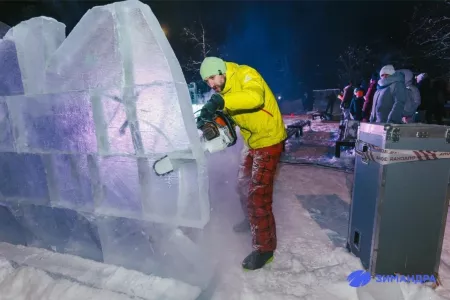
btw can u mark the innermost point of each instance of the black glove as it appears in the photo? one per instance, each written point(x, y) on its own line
point(208, 110)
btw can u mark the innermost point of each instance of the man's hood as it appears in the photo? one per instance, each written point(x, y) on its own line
point(408, 76)
point(385, 82)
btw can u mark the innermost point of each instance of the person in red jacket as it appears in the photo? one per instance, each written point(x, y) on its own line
point(368, 98)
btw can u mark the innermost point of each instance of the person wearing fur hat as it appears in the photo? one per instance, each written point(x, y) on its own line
point(390, 97)
point(243, 94)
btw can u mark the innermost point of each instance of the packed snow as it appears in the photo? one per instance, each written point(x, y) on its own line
point(311, 211)
point(62, 269)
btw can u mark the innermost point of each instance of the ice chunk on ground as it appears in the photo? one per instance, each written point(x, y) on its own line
point(36, 39)
point(97, 275)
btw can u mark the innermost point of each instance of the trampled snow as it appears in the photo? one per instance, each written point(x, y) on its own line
point(311, 207)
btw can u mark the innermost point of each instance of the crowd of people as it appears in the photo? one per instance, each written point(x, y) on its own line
point(395, 96)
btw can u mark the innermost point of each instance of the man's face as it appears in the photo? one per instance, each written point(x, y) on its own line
point(216, 82)
point(385, 75)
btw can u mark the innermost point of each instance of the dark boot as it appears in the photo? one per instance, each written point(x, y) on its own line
point(257, 260)
point(243, 226)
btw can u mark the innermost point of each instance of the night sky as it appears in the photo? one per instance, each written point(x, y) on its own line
point(308, 35)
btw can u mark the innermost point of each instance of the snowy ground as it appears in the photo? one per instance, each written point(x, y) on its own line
point(311, 209)
point(28, 273)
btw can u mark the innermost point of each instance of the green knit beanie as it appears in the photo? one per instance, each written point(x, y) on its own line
point(212, 66)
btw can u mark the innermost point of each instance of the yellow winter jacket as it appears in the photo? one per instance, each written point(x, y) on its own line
point(252, 106)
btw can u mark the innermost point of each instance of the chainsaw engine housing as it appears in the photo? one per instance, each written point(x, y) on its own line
point(225, 134)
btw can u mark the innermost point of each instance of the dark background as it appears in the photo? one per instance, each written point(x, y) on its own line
point(294, 44)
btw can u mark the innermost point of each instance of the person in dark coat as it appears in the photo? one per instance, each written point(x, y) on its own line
point(330, 104)
point(368, 98)
point(390, 98)
point(440, 89)
point(346, 100)
point(356, 106)
point(428, 98)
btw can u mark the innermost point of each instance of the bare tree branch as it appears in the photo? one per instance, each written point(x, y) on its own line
point(430, 31)
point(196, 36)
point(354, 62)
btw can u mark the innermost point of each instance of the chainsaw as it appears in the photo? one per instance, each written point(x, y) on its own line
point(217, 135)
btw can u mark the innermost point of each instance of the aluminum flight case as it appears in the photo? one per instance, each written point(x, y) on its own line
point(398, 210)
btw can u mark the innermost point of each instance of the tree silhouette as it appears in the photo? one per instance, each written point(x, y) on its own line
point(355, 63)
point(430, 32)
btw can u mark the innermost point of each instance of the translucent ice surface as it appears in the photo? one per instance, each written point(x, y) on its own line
point(80, 136)
point(112, 100)
point(36, 39)
point(10, 76)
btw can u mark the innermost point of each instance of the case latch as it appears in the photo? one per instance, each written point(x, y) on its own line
point(422, 134)
point(392, 133)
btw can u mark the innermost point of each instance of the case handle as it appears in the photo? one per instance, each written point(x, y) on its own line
point(361, 150)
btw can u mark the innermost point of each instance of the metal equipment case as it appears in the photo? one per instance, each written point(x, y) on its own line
point(398, 211)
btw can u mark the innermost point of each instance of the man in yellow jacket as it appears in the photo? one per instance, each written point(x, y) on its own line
point(243, 94)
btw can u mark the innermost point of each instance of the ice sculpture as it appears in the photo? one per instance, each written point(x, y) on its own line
point(36, 40)
point(115, 100)
point(112, 100)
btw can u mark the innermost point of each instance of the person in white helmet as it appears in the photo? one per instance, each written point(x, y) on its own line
point(390, 97)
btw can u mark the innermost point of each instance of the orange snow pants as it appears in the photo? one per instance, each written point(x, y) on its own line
point(255, 187)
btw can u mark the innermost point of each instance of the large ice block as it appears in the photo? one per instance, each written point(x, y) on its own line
point(10, 76)
point(79, 145)
point(114, 100)
point(36, 39)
